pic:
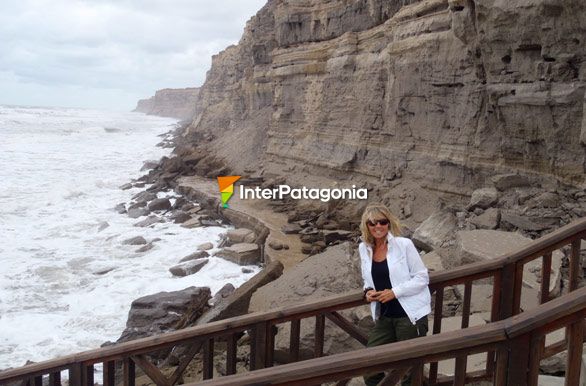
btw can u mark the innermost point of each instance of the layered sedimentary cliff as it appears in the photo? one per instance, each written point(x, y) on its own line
point(445, 91)
point(175, 103)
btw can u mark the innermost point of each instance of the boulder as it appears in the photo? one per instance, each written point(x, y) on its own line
point(332, 272)
point(139, 204)
point(242, 253)
point(145, 248)
point(545, 200)
point(103, 225)
point(164, 311)
point(138, 212)
point(195, 256)
point(120, 208)
point(432, 261)
point(434, 231)
point(205, 246)
point(150, 220)
point(331, 236)
point(144, 197)
point(482, 245)
point(159, 204)
point(193, 223)
point(180, 217)
point(488, 220)
point(483, 198)
point(276, 245)
point(291, 228)
point(138, 240)
point(510, 220)
point(188, 268)
point(241, 235)
point(508, 181)
point(223, 293)
point(126, 186)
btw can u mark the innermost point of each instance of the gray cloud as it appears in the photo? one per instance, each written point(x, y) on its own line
point(101, 49)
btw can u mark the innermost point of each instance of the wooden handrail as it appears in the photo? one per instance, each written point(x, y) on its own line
point(505, 264)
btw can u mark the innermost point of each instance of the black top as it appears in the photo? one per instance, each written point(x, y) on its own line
point(382, 280)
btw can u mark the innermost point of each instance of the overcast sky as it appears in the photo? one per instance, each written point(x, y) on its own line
point(110, 53)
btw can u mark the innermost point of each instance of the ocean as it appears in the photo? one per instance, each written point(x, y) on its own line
point(60, 175)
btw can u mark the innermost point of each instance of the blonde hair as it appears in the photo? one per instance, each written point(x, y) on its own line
point(375, 212)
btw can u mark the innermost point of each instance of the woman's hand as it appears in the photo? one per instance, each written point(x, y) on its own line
point(385, 295)
point(371, 296)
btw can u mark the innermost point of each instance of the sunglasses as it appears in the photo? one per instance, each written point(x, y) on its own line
point(383, 222)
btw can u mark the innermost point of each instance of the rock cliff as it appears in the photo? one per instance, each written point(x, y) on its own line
point(175, 103)
point(446, 92)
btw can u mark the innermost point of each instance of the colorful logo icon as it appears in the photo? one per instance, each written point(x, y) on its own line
point(226, 184)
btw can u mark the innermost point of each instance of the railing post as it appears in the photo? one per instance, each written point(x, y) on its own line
point(575, 347)
point(508, 274)
point(518, 364)
point(258, 345)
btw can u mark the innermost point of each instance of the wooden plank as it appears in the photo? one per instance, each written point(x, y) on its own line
point(208, 359)
point(518, 286)
point(417, 374)
point(55, 379)
point(494, 316)
point(258, 346)
point(518, 360)
point(545, 278)
point(320, 324)
point(129, 373)
point(294, 340)
point(574, 265)
point(460, 369)
point(535, 353)
point(500, 373)
point(555, 348)
point(552, 313)
point(507, 289)
point(437, 327)
point(88, 375)
point(231, 352)
point(575, 347)
point(193, 349)
point(270, 346)
point(75, 374)
point(347, 326)
point(151, 370)
point(109, 372)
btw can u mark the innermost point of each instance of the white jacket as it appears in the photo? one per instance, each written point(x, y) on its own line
point(408, 274)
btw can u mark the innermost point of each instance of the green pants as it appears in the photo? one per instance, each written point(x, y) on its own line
point(388, 330)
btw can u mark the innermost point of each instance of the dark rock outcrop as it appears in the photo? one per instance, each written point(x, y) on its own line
point(164, 312)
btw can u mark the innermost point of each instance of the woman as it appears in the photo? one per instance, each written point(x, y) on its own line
point(395, 282)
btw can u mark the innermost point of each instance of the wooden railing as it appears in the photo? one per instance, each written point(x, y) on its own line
point(515, 341)
point(505, 274)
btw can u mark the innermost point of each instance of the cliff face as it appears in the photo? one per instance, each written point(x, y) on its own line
point(174, 103)
point(446, 91)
